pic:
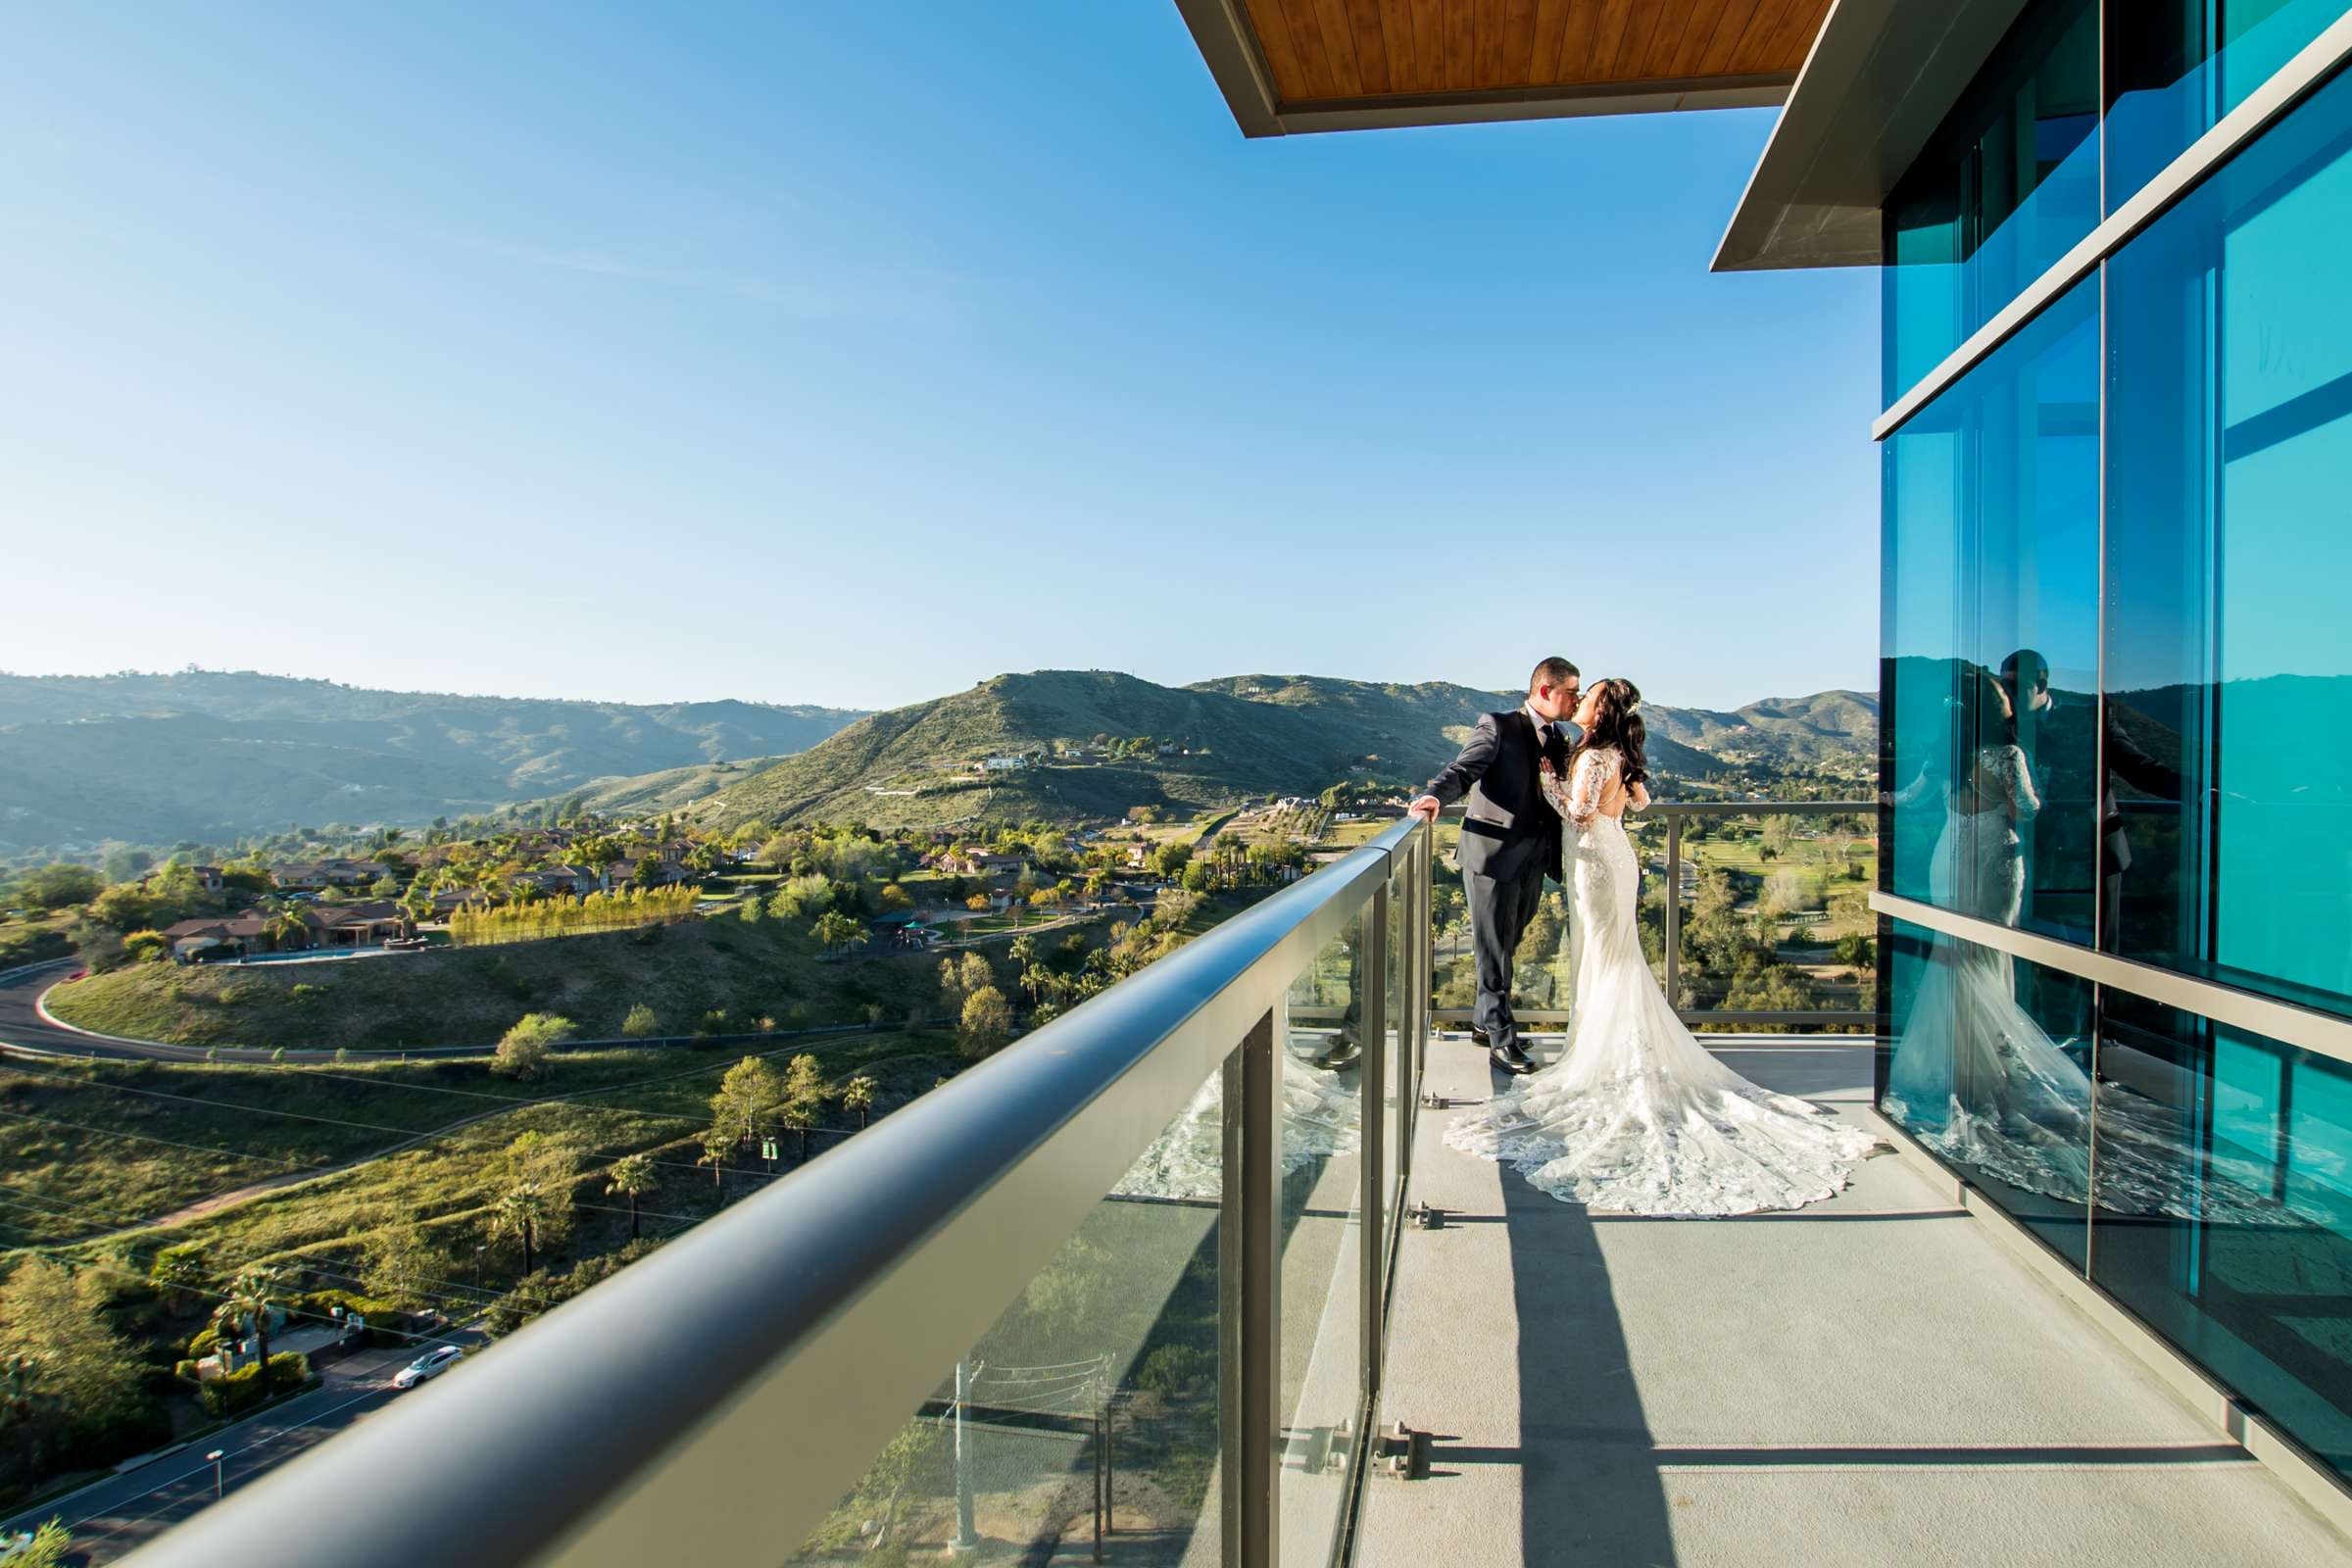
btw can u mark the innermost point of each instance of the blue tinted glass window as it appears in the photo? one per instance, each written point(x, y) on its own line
point(1991, 634)
point(2176, 66)
point(2228, 661)
point(1987, 1065)
point(2225, 1214)
point(2007, 185)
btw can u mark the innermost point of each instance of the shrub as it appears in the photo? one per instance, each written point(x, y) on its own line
point(203, 1343)
point(640, 1024)
point(713, 1022)
point(307, 993)
point(523, 1052)
point(1175, 1370)
point(225, 1395)
point(145, 947)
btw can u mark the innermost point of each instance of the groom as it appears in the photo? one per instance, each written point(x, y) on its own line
point(1511, 839)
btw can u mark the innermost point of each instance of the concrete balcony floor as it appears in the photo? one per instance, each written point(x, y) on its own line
point(1874, 1380)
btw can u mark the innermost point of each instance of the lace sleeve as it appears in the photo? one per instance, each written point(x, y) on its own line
point(1587, 784)
point(2009, 766)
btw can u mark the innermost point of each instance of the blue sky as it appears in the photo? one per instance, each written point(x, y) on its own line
point(852, 353)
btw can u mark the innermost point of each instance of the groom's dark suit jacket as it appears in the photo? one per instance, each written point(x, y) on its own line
point(1507, 822)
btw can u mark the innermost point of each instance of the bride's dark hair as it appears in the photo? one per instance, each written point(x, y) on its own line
point(1616, 722)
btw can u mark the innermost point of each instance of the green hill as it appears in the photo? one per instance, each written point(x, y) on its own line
point(1835, 732)
point(1213, 744)
point(210, 755)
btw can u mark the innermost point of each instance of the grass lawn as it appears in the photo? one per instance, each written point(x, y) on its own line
point(1363, 830)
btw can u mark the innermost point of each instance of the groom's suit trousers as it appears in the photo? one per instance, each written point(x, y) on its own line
point(1500, 910)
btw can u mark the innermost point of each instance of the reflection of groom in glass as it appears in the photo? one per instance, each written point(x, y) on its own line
point(1511, 839)
point(2060, 732)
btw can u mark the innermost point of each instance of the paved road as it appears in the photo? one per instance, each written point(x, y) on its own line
point(22, 1026)
point(112, 1517)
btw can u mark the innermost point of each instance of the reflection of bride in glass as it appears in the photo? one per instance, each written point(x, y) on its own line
point(1975, 1076)
point(1320, 1117)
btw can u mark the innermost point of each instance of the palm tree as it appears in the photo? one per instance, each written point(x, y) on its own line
point(1023, 953)
point(518, 1214)
point(857, 1094)
point(251, 1296)
point(632, 1174)
point(286, 926)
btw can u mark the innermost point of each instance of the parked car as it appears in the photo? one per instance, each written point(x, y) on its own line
point(431, 1364)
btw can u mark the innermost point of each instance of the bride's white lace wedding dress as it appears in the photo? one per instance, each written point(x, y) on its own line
point(1636, 1115)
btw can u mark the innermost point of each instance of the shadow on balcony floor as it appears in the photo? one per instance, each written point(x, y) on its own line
point(1615, 1391)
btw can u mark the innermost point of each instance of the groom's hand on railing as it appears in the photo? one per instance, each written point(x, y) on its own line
point(1426, 808)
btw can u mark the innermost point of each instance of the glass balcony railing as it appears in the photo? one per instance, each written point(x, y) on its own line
point(1119, 1290)
point(1768, 926)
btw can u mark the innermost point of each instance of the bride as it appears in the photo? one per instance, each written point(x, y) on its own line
point(1636, 1115)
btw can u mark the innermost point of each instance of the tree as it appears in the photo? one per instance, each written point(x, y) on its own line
point(804, 1099)
point(987, 1022)
point(746, 1106)
point(179, 1272)
point(145, 947)
point(402, 1268)
point(837, 931)
point(894, 896)
point(60, 885)
point(978, 902)
point(632, 1176)
point(777, 853)
point(648, 873)
point(974, 971)
point(287, 928)
point(524, 1050)
point(640, 1023)
point(520, 1212)
point(857, 1094)
point(124, 906)
point(1022, 951)
point(251, 1297)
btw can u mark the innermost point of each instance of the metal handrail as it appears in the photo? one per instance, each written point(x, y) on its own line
point(798, 1329)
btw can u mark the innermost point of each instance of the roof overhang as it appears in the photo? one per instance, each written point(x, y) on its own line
point(1880, 78)
point(1288, 67)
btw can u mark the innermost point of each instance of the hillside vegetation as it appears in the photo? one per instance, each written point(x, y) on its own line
point(1232, 740)
point(470, 996)
point(212, 754)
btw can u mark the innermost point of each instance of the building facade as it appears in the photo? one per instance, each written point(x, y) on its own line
point(2115, 891)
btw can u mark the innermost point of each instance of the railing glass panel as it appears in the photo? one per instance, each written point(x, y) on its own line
point(1321, 1102)
point(1987, 1064)
point(1087, 1419)
point(1774, 912)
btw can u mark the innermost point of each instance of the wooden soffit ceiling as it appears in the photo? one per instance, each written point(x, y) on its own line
point(1292, 65)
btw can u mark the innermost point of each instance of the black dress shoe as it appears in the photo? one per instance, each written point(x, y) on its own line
point(1478, 1036)
point(1337, 1056)
point(1511, 1060)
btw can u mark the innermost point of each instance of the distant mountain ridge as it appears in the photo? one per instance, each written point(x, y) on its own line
point(212, 754)
point(1212, 743)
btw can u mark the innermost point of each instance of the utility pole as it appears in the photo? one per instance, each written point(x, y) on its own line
point(967, 1538)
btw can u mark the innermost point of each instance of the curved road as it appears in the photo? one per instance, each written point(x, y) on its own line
point(22, 1027)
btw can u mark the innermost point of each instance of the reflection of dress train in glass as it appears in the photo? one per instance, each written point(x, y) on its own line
point(1637, 1116)
point(1977, 1079)
point(1319, 1120)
